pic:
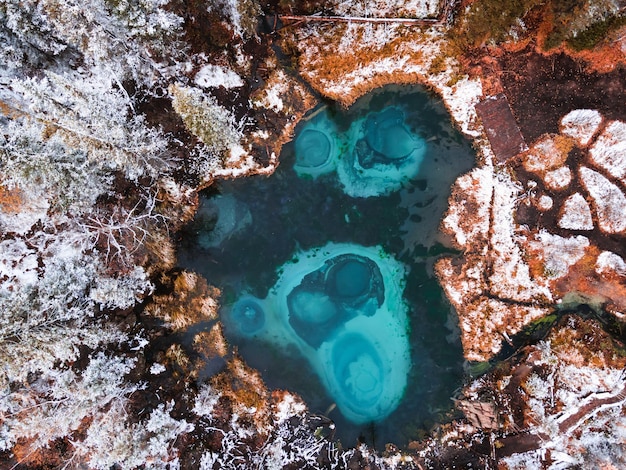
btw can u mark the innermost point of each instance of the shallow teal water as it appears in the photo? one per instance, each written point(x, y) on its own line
point(341, 308)
point(326, 266)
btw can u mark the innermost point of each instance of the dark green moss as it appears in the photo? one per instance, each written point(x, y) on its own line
point(491, 20)
point(590, 37)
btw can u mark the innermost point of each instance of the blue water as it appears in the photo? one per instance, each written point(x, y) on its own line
point(341, 308)
point(303, 260)
point(375, 155)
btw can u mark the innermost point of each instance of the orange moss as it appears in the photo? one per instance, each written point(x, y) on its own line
point(9, 111)
point(547, 153)
point(245, 391)
point(546, 25)
point(604, 58)
point(585, 340)
point(178, 208)
point(347, 99)
point(297, 101)
point(327, 65)
point(178, 359)
point(11, 200)
point(43, 457)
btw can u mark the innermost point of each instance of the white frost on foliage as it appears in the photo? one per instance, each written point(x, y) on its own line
point(374, 35)
point(33, 207)
point(461, 100)
point(111, 441)
point(460, 95)
point(524, 461)
point(511, 277)
point(609, 150)
point(581, 124)
point(205, 401)
point(95, 132)
point(576, 214)
point(203, 116)
point(559, 253)
point(124, 37)
point(387, 8)
point(462, 289)
point(363, 74)
point(544, 155)
point(211, 76)
point(566, 385)
point(18, 265)
point(287, 407)
point(157, 368)
point(608, 262)
point(272, 97)
point(559, 178)
point(475, 187)
point(608, 199)
point(121, 292)
point(59, 401)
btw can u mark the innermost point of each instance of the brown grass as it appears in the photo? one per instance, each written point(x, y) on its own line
point(190, 302)
point(211, 344)
point(329, 66)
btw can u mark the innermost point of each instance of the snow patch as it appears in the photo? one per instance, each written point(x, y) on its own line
point(461, 100)
point(545, 203)
point(123, 291)
point(33, 207)
point(576, 214)
point(288, 407)
point(277, 87)
point(608, 199)
point(559, 178)
point(387, 8)
point(273, 99)
point(559, 253)
point(467, 218)
point(609, 151)
point(511, 277)
point(211, 76)
point(608, 262)
point(206, 400)
point(581, 124)
point(18, 265)
point(546, 154)
point(157, 368)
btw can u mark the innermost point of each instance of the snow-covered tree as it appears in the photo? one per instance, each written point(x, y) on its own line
point(94, 115)
point(55, 404)
point(133, 38)
point(65, 176)
point(213, 124)
point(111, 440)
point(27, 39)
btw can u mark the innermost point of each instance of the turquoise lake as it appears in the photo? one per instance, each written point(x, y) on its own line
point(325, 267)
